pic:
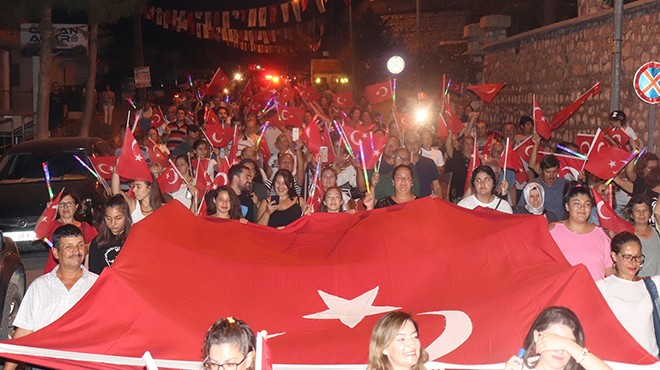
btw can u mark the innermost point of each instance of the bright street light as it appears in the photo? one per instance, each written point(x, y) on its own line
point(395, 65)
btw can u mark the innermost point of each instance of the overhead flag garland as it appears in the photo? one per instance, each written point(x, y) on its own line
point(268, 29)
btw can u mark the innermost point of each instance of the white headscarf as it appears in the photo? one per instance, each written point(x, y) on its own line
point(526, 191)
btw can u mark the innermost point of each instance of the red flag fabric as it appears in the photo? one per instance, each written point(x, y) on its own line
point(404, 120)
point(373, 149)
point(540, 123)
point(218, 82)
point(259, 101)
point(475, 161)
point(131, 164)
point(211, 118)
point(169, 181)
point(157, 117)
point(327, 142)
point(569, 166)
point(233, 150)
point(378, 93)
point(485, 151)
point(285, 93)
point(289, 116)
point(563, 115)
point(202, 179)
point(309, 93)
point(513, 160)
point(264, 149)
point(354, 136)
point(344, 100)
point(49, 216)
point(618, 135)
point(608, 162)
point(329, 279)
point(607, 218)
point(598, 143)
point(524, 149)
point(222, 177)
point(583, 141)
point(104, 165)
point(219, 136)
point(313, 139)
point(454, 123)
point(155, 153)
point(486, 92)
point(441, 130)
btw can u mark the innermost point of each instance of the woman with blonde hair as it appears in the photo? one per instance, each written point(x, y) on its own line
point(395, 344)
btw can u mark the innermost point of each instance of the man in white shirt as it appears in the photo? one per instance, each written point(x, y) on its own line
point(51, 295)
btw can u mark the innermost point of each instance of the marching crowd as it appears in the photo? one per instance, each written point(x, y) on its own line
point(270, 157)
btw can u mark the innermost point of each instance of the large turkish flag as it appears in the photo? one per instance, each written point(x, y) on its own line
point(474, 281)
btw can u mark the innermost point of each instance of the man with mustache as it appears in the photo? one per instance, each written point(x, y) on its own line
point(51, 295)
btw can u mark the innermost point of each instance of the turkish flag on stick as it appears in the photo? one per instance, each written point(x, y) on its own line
point(157, 118)
point(540, 123)
point(170, 180)
point(218, 81)
point(454, 123)
point(607, 218)
point(378, 93)
point(131, 164)
point(49, 216)
point(217, 135)
point(563, 115)
point(104, 165)
point(607, 163)
point(486, 92)
point(475, 162)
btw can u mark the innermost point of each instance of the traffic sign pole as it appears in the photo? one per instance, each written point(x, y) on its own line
point(651, 125)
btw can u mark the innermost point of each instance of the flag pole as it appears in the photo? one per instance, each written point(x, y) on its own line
point(177, 171)
point(364, 168)
point(506, 156)
point(98, 177)
point(591, 147)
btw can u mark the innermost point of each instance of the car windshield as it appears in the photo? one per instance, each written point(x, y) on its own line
point(22, 167)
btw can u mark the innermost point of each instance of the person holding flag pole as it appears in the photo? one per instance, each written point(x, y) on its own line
point(229, 344)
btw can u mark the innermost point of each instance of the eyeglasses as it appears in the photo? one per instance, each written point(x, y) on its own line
point(66, 204)
point(629, 257)
point(210, 364)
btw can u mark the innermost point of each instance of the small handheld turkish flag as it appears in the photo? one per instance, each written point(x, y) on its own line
point(308, 93)
point(541, 124)
point(157, 117)
point(170, 180)
point(563, 115)
point(131, 164)
point(475, 161)
point(608, 162)
point(379, 92)
point(344, 100)
point(49, 216)
point(524, 149)
point(618, 135)
point(218, 81)
point(607, 218)
point(219, 136)
point(104, 165)
point(486, 92)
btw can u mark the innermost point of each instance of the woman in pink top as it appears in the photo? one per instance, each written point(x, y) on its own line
point(581, 241)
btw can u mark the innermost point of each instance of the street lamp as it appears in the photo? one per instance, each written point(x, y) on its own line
point(396, 64)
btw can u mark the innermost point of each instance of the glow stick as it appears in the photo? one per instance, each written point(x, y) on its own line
point(364, 168)
point(93, 172)
point(393, 93)
point(47, 176)
point(48, 242)
point(132, 103)
point(342, 134)
point(506, 155)
point(190, 80)
point(639, 155)
point(567, 150)
point(377, 167)
point(447, 88)
point(138, 115)
point(261, 133)
point(317, 170)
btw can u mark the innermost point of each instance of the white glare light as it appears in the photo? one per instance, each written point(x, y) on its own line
point(421, 115)
point(396, 64)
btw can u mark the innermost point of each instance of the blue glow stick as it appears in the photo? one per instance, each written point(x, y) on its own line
point(567, 150)
point(639, 155)
point(47, 176)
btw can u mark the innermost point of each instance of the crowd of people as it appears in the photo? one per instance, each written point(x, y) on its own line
point(274, 174)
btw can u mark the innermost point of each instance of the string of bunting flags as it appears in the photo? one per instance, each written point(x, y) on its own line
point(266, 29)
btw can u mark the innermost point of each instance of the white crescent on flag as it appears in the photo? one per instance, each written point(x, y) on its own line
point(491, 91)
point(105, 169)
point(157, 119)
point(286, 115)
point(584, 147)
point(458, 328)
point(214, 137)
point(528, 150)
point(224, 178)
point(572, 171)
point(341, 100)
point(175, 176)
point(136, 151)
point(600, 145)
point(352, 137)
point(384, 89)
point(599, 207)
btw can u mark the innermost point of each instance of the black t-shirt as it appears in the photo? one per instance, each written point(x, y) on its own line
point(247, 203)
point(458, 166)
point(427, 171)
point(102, 258)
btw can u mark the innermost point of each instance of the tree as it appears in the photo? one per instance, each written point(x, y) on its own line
point(100, 12)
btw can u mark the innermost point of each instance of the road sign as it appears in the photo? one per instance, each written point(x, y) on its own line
point(647, 82)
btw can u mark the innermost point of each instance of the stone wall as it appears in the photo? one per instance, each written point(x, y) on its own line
point(561, 61)
point(435, 28)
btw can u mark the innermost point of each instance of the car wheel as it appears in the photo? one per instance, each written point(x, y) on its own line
point(12, 302)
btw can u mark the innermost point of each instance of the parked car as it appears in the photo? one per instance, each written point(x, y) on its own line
point(12, 284)
point(23, 190)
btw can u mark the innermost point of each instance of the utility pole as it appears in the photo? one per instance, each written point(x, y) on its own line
point(616, 52)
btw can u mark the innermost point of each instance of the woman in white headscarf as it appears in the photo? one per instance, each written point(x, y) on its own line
point(534, 196)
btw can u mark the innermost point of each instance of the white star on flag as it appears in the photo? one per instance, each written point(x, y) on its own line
point(364, 135)
point(612, 164)
point(350, 312)
point(138, 158)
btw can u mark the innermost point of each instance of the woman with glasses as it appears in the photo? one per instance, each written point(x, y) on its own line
point(229, 344)
point(579, 240)
point(627, 294)
point(483, 182)
point(640, 214)
point(67, 213)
